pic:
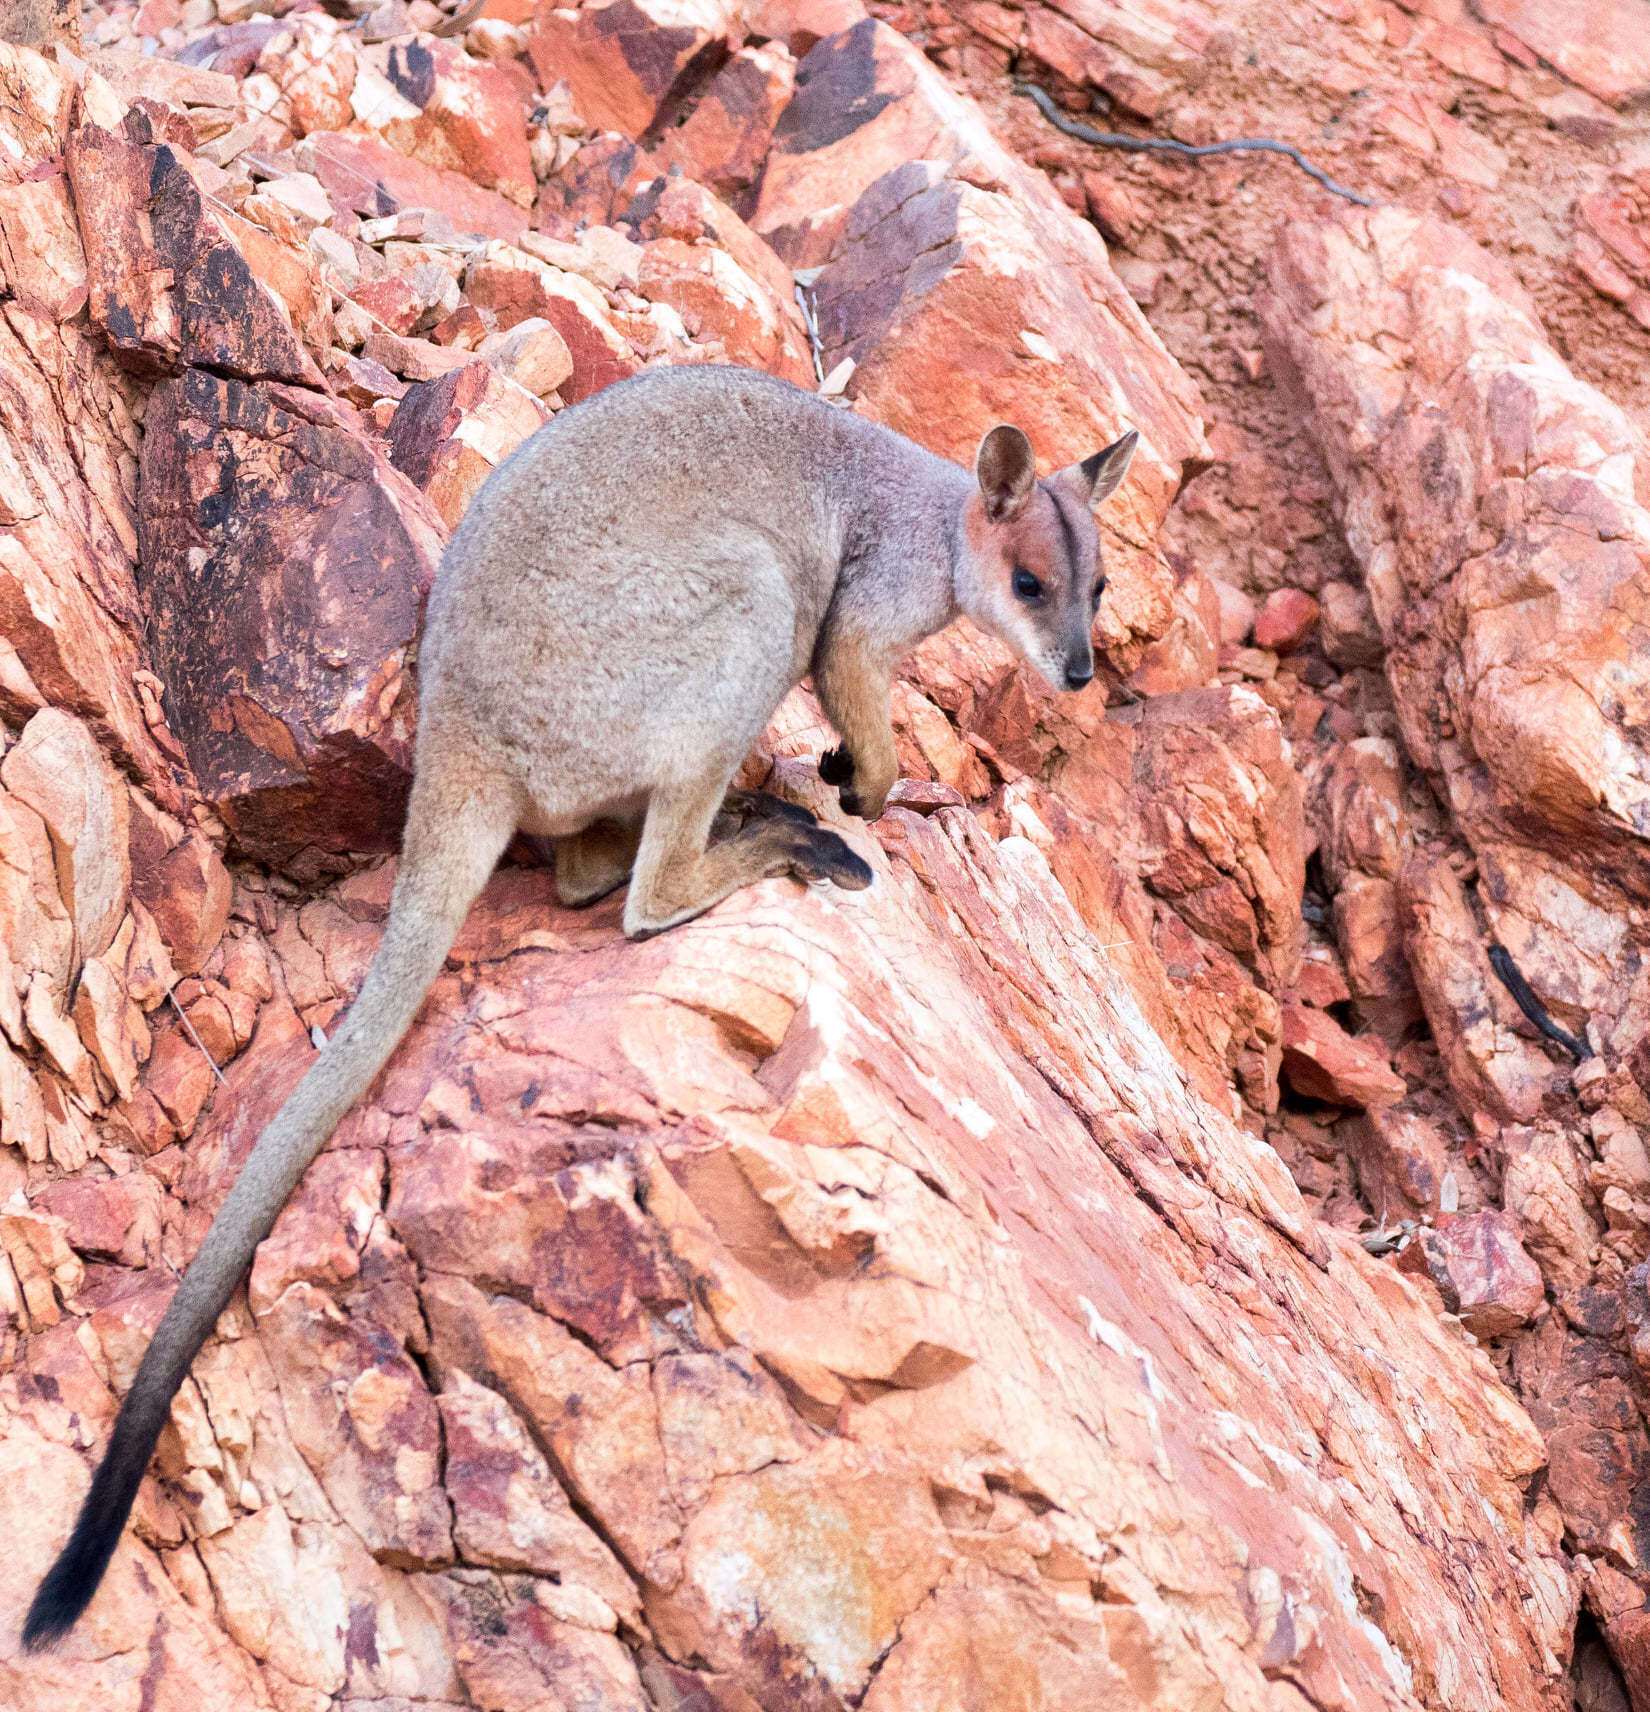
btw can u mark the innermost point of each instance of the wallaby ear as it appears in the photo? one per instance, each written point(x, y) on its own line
point(1007, 471)
point(1100, 476)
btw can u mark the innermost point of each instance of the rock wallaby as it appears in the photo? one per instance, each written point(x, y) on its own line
point(627, 601)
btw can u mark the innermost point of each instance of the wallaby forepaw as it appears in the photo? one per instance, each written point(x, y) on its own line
point(862, 805)
point(836, 767)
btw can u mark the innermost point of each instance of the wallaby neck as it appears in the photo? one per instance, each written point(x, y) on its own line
point(898, 510)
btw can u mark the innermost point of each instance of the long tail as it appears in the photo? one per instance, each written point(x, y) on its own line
point(448, 853)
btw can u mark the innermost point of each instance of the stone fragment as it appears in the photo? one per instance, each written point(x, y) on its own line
point(514, 286)
point(623, 60)
point(168, 283)
point(187, 891)
point(414, 360)
point(57, 769)
point(1482, 1272)
point(1323, 1062)
point(1400, 1159)
point(1346, 622)
point(42, 259)
point(312, 65)
point(532, 354)
point(1285, 620)
point(294, 745)
point(364, 175)
point(724, 140)
point(447, 435)
point(460, 115)
point(1492, 1067)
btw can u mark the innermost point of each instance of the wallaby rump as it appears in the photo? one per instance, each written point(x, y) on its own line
point(626, 602)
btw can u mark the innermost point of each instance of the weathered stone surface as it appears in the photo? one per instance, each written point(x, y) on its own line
point(168, 285)
point(725, 139)
point(283, 645)
point(1324, 1062)
point(1482, 1272)
point(623, 59)
point(57, 769)
point(513, 286)
point(460, 115)
point(447, 435)
point(364, 175)
point(1491, 504)
point(1605, 48)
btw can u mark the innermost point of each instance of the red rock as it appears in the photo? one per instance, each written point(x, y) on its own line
point(412, 359)
point(597, 185)
point(1324, 1062)
point(1518, 722)
point(718, 300)
point(1483, 1273)
point(513, 286)
point(447, 435)
point(532, 354)
point(1605, 49)
point(114, 1218)
point(725, 139)
point(168, 285)
point(1400, 1159)
point(41, 255)
point(359, 1413)
point(1285, 620)
point(313, 65)
point(622, 59)
point(365, 175)
point(467, 117)
point(56, 769)
point(391, 302)
point(1347, 624)
point(293, 747)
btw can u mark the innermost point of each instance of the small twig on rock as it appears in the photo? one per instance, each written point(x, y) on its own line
point(183, 1017)
point(804, 288)
point(1501, 962)
point(1166, 145)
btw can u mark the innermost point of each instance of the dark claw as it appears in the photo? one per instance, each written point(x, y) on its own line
point(836, 767)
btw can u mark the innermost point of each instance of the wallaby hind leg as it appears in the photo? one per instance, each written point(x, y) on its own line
point(599, 859)
point(596, 861)
point(679, 874)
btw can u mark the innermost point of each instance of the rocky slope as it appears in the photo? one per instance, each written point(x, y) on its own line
point(1140, 1253)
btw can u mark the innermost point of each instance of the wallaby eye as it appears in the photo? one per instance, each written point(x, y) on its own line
point(1099, 589)
point(1026, 586)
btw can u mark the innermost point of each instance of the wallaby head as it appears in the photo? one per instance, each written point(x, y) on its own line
point(1030, 569)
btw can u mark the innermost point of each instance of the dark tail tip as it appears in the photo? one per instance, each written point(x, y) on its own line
point(68, 1587)
point(70, 1583)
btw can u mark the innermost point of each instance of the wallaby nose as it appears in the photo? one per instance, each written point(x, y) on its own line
point(1078, 673)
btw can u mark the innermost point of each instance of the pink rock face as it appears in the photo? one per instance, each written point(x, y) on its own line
point(1500, 503)
point(367, 176)
point(1324, 1062)
point(725, 139)
point(1483, 1272)
point(275, 731)
point(167, 284)
point(1605, 47)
